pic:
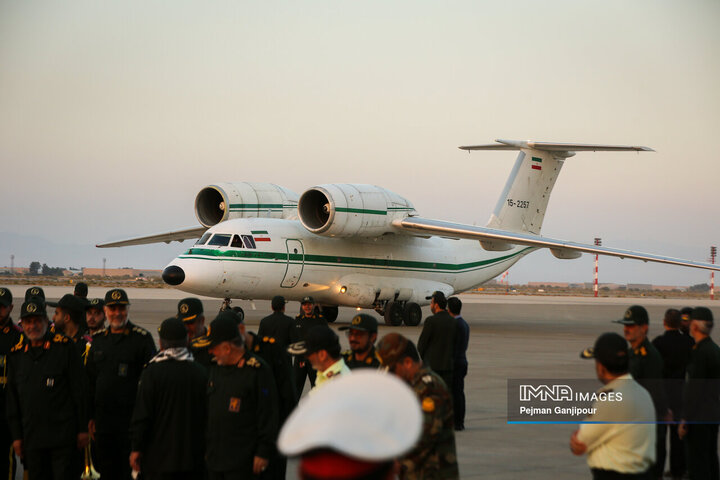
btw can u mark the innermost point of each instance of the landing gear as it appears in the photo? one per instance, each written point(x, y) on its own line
point(330, 313)
point(397, 313)
point(394, 314)
point(412, 314)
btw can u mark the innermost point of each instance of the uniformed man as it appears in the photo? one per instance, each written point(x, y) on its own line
point(434, 455)
point(701, 409)
point(169, 421)
point(35, 292)
point(436, 344)
point(275, 333)
point(321, 348)
point(46, 402)
point(325, 430)
point(81, 290)
point(242, 406)
point(190, 311)
point(685, 320)
point(619, 438)
point(675, 349)
point(114, 364)
point(362, 334)
point(95, 315)
point(460, 363)
point(303, 323)
point(9, 337)
point(69, 318)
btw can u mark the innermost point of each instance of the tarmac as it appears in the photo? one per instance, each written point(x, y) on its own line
point(511, 337)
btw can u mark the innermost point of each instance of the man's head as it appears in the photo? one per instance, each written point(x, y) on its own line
point(362, 332)
point(81, 290)
point(701, 323)
point(278, 303)
point(70, 309)
point(399, 356)
point(116, 308)
point(322, 347)
point(345, 430)
point(611, 356)
point(227, 344)
point(190, 312)
point(635, 325)
point(95, 314)
point(438, 301)
point(307, 305)
point(454, 306)
point(685, 319)
point(172, 334)
point(34, 319)
point(672, 320)
point(6, 305)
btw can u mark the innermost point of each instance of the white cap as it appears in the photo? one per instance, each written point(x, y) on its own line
point(368, 415)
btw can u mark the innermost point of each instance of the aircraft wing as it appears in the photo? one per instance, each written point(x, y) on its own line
point(176, 236)
point(424, 226)
point(556, 147)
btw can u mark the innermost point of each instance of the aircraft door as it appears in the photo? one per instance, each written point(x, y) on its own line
point(295, 263)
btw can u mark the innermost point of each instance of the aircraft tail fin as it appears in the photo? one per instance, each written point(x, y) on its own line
point(523, 202)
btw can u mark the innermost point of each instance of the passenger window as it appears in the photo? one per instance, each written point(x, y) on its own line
point(249, 241)
point(219, 240)
point(203, 240)
point(236, 242)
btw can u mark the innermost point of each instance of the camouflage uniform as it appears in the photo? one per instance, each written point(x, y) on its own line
point(434, 455)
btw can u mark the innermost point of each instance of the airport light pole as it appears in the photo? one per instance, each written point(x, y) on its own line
point(12, 264)
point(598, 242)
point(713, 254)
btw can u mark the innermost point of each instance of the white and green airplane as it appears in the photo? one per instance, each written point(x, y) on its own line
point(364, 246)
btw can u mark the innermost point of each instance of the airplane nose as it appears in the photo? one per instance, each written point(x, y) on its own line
point(173, 275)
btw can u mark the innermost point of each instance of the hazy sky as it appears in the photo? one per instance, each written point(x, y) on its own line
point(113, 115)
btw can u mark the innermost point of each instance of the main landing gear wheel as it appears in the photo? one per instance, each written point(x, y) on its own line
point(330, 313)
point(394, 314)
point(412, 314)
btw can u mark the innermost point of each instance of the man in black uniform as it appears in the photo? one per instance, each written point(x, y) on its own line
point(685, 320)
point(460, 363)
point(169, 421)
point(242, 406)
point(436, 344)
point(9, 337)
point(362, 334)
point(675, 349)
point(303, 323)
point(69, 318)
point(46, 402)
point(701, 409)
point(81, 290)
point(190, 311)
point(95, 315)
point(114, 364)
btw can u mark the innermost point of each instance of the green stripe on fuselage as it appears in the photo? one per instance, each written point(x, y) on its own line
point(360, 210)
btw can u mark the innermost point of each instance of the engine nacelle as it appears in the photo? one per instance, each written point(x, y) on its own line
point(346, 209)
point(565, 254)
point(223, 201)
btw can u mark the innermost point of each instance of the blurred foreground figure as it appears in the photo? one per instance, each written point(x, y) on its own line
point(353, 428)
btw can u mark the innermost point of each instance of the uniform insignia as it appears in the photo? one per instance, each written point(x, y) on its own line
point(628, 314)
point(50, 382)
point(116, 295)
point(31, 308)
point(428, 405)
point(184, 308)
point(60, 339)
point(253, 362)
point(46, 346)
point(34, 291)
point(122, 370)
point(427, 379)
point(234, 405)
point(368, 360)
point(266, 339)
point(257, 348)
point(18, 345)
point(643, 352)
point(241, 363)
point(357, 320)
point(6, 329)
point(94, 301)
point(139, 330)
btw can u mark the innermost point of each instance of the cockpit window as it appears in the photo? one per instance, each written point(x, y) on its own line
point(249, 241)
point(203, 240)
point(236, 242)
point(220, 240)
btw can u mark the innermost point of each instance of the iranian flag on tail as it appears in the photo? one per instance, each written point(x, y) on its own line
point(537, 163)
point(260, 235)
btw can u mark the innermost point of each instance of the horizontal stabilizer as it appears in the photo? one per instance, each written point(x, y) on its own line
point(556, 147)
point(424, 226)
point(176, 236)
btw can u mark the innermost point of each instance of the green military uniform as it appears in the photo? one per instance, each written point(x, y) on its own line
point(302, 367)
point(434, 455)
point(114, 364)
point(371, 360)
point(242, 417)
point(9, 336)
point(47, 405)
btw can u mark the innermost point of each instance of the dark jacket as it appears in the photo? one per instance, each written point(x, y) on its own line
point(275, 333)
point(9, 337)
point(462, 338)
point(437, 340)
point(169, 421)
point(702, 391)
point(646, 366)
point(675, 349)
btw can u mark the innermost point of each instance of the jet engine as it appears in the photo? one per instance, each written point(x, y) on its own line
point(223, 201)
point(345, 210)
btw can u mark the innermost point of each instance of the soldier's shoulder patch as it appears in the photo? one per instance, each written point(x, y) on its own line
point(428, 405)
point(643, 351)
point(104, 331)
point(58, 338)
point(18, 346)
point(347, 353)
point(253, 362)
point(200, 342)
point(369, 360)
point(140, 330)
point(427, 379)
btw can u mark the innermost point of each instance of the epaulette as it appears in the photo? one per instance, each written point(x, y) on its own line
point(140, 330)
point(253, 362)
point(58, 338)
point(347, 353)
point(104, 331)
point(267, 339)
point(18, 346)
point(427, 379)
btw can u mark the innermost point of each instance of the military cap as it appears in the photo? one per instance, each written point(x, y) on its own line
point(635, 315)
point(34, 307)
point(189, 309)
point(95, 303)
point(6, 298)
point(172, 329)
point(702, 313)
point(116, 296)
point(34, 292)
point(392, 348)
point(69, 302)
point(610, 350)
point(321, 337)
point(240, 313)
point(307, 299)
point(348, 416)
point(81, 289)
point(224, 328)
point(278, 302)
point(364, 322)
